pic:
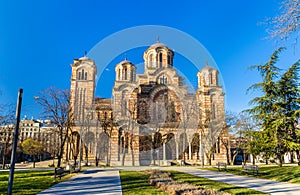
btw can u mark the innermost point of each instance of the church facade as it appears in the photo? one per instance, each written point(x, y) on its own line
point(152, 118)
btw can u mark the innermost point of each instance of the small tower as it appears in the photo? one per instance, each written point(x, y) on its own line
point(208, 76)
point(158, 56)
point(210, 94)
point(83, 86)
point(211, 102)
point(125, 71)
point(123, 88)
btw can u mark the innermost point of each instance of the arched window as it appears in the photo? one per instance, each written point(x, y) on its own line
point(124, 104)
point(82, 74)
point(213, 111)
point(210, 78)
point(169, 60)
point(132, 78)
point(119, 74)
point(125, 73)
point(151, 63)
point(160, 60)
point(163, 80)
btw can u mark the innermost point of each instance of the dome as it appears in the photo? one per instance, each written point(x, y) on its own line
point(124, 61)
point(158, 44)
point(84, 58)
point(207, 68)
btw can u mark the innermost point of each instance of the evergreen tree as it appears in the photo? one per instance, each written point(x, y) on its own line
point(265, 107)
point(289, 105)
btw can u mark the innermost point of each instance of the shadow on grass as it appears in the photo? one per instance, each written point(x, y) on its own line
point(134, 182)
point(210, 184)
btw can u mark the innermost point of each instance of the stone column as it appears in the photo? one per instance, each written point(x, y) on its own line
point(164, 151)
point(190, 151)
point(177, 149)
point(151, 153)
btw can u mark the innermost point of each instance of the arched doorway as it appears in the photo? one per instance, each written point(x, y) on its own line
point(102, 148)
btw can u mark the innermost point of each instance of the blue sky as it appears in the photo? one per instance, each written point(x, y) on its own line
point(40, 39)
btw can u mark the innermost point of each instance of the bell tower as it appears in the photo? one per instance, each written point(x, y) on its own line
point(210, 94)
point(83, 86)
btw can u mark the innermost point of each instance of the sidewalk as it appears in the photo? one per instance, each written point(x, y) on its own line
point(93, 181)
point(107, 181)
point(263, 185)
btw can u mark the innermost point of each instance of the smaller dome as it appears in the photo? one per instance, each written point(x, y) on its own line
point(84, 58)
point(158, 44)
point(207, 68)
point(125, 62)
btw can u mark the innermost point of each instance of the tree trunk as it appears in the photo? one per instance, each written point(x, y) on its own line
point(253, 159)
point(209, 155)
point(279, 159)
point(227, 156)
point(292, 156)
point(86, 155)
point(132, 153)
point(97, 161)
point(33, 157)
point(58, 160)
point(244, 158)
point(298, 156)
point(235, 153)
point(3, 160)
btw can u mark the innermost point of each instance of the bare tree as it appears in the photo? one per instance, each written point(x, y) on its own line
point(287, 23)
point(55, 106)
point(129, 125)
point(6, 139)
point(50, 141)
point(6, 131)
point(189, 120)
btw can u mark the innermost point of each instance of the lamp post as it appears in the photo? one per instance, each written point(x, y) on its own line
point(15, 142)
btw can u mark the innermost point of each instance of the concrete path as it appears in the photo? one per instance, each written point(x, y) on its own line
point(93, 181)
point(263, 185)
point(107, 181)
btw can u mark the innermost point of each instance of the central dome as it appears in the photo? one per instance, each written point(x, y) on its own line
point(158, 55)
point(158, 44)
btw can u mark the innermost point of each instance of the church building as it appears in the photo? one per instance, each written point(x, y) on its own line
point(152, 118)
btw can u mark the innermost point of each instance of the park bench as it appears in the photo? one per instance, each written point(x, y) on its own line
point(6, 166)
point(250, 169)
point(59, 172)
point(220, 165)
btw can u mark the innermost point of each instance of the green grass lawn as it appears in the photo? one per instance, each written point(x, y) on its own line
point(134, 182)
point(210, 184)
point(29, 182)
point(272, 172)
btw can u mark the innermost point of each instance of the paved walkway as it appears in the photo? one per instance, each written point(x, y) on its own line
point(263, 185)
point(107, 181)
point(93, 181)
